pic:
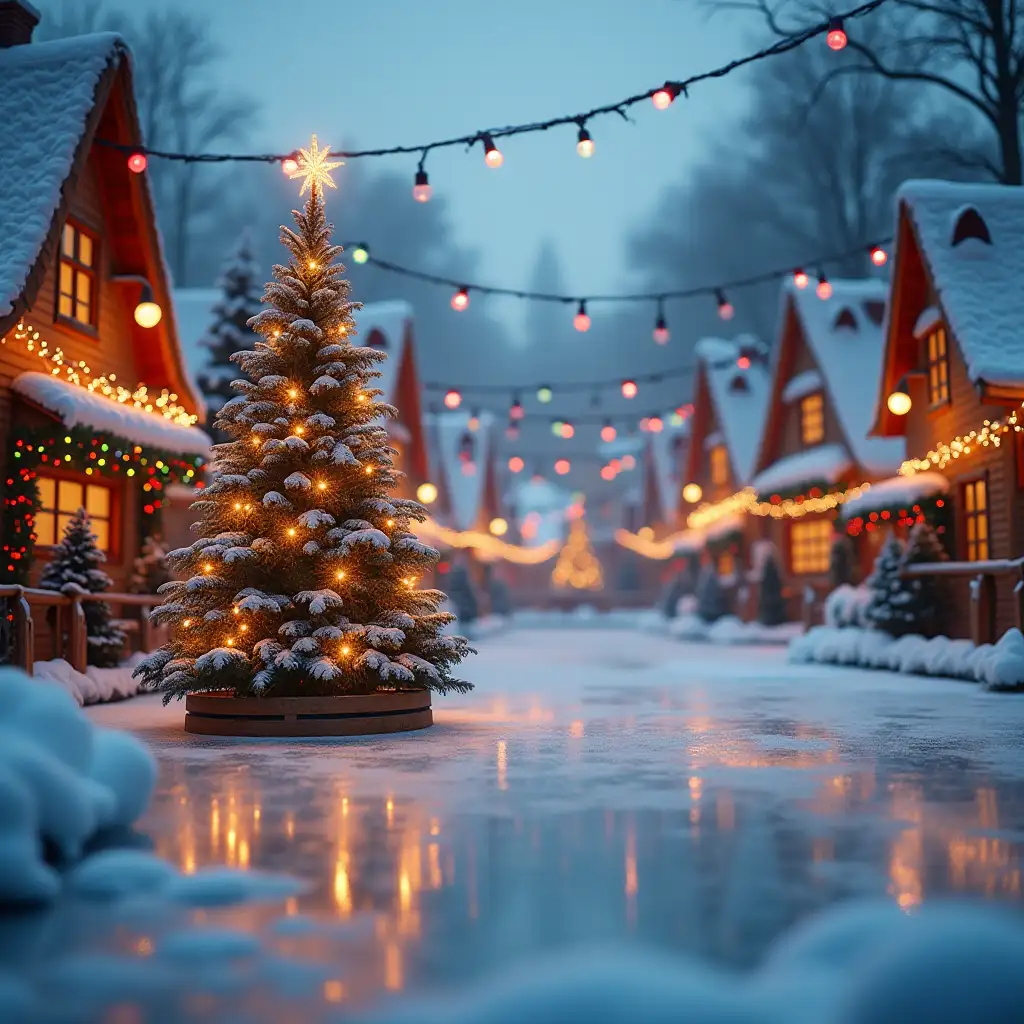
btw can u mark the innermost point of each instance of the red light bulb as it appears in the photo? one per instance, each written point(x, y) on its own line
point(663, 98)
point(517, 412)
point(581, 321)
point(800, 279)
point(568, 431)
point(608, 433)
point(836, 37)
point(661, 333)
point(654, 424)
point(512, 431)
point(137, 163)
point(629, 389)
point(879, 256)
point(562, 466)
point(515, 464)
point(453, 399)
point(743, 362)
point(289, 165)
point(460, 300)
point(607, 473)
point(725, 307)
point(421, 190)
point(492, 155)
point(824, 289)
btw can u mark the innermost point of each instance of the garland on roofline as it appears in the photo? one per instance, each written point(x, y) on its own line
point(934, 509)
point(80, 449)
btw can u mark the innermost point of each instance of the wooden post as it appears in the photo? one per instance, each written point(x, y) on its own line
point(982, 610)
point(79, 643)
point(24, 633)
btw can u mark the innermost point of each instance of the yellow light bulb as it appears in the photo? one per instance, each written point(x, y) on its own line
point(291, 531)
point(230, 641)
point(312, 264)
point(341, 574)
point(300, 430)
point(346, 650)
point(391, 522)
point(236, 610)
point(243, 627)
point(238, 505)
point(369, 470)
point(360, 398)
point(292, 393)
point(207, 567)
point(321, 486)
point(186, 623)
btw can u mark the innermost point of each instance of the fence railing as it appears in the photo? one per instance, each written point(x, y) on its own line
point(70, 640)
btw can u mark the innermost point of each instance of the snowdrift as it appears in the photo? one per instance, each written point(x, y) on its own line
point(730, 630)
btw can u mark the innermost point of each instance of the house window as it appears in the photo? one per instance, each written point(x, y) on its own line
point(809, 544)
point(812, 419)
point(76, 294)
point(719, 458)
point(60, 499)
point(976, 520)
point(726, 564)
point(938, 367)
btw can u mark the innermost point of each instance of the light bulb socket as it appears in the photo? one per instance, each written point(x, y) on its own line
point(421, 178)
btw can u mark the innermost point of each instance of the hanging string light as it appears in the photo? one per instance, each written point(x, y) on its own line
point(421, 190)
point(516, 412)
point(655, 424)
point(800, 279)
point(661, 332)
point(556, 427)
point(663, 97)
point(544, 394)
point(836, 36)
point(453, 398)
point(608, 432)
point(581, 321)
point(568, 431)
point(361, 253)
point(460, 300)
point(879, 257)
point(824, 289)
point(743, 362)
point(493, 156)
point(584, 143)
point(289, 165)
point(137, 163)
point(474, 420)
point(516, 464)
point(562, 466)
point(725, 307)
point(629, 389)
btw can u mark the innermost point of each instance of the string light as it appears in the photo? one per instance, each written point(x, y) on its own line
point(492, 155)
point(289, 165)
point(824, 289)
point(453, 399)
point(655, 424)
point(581, 321)
point(562, 466)
point(516, 412)
point(137, 163)
point(486, 546)
point(556, 427)
point(725, 307)
point(662, 98)
point(661, 333)
point(608, 432)
point(516, 464)
point(498, 526)
point(584, 143)
point(421, 190)
point(568, 431)
point(629, 389)
point(692, 493)
point(879, 257)
point(544, 394)
point(836, 36)
point(800, 279)
point(474, 421)
point(743, 362)
point(360, 253)
point(512, 431)
point(460, 300)
point(426, 493)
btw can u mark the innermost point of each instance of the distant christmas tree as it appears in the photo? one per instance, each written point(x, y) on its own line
point(678, 587)
point(840, 563)
point(76, 563)
point(577, 566)
point(711, 600)
point(462, 594)
point(927, 596)
point(240, 283)
point(771, 604)
point(888, 606)
point(149, 570)
point(303, 581)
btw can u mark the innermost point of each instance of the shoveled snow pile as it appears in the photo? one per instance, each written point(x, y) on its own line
point(859, 963)
point(730, 631)
point(95, 685)
point(845, 606)
point(63, 781)
point(584, 616)
point(998, 666)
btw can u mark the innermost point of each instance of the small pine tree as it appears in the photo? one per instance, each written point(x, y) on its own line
point(886, 607)
point(76, 562)
point(462, 595)
point(230, 333)
point(771, 605)
point(681, 584)
point(149, 569)
point(926, 593)
point(840, 563)
point(711, 600)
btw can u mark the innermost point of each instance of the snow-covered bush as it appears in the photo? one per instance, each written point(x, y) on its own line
point(711, 599)
point(927, 593)
point(771, 605)
point(730, 631)
point(845, 606)
point(841, 562)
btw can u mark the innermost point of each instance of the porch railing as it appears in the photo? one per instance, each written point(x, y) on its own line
point(70, 640)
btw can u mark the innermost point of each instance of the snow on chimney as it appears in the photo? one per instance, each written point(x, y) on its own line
point(17, 19)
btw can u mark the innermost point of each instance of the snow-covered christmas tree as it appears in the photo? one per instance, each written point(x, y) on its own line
point(711, 599)
point(771, 603)
point(887, 607)
point(229, 333)
point(840, 563)
point(76, 563)
point(304, 579)
point(923, 609)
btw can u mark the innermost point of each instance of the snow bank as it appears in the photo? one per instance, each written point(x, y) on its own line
point(895, 491)
point(845, 606)
point(95, 685)
point(485, 626)
point(583, 617)
point(62, 782)
point(997, 666)
point(731, 631)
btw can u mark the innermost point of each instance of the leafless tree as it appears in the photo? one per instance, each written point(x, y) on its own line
point(969, 49)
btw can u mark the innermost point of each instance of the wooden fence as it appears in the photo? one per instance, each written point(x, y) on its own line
point(67, 622)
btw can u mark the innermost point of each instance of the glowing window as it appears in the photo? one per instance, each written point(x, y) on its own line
point(60, 499)
point(809, 544)
point(812, 419)
point(976, 520)
point(938, 367)
point(719, 463)
point(76, 286)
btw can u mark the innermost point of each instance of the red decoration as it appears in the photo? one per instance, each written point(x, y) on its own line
point(137, 163)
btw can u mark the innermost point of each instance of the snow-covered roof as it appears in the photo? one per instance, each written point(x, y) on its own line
point(666, 464)
point(978, 282)
point(897, 490)
point(77, 405)
point(802, 385)
point(390, 320)
point(740, 410)
point(844, 334)
point(47, 95)
point(824, 462)
point(464, 480)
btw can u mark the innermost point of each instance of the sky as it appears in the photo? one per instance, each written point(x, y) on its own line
point(384, 72)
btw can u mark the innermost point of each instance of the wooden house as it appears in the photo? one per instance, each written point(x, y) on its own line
point(954, 362)
point(97, 408)
point(729, 401)
point(816, 442)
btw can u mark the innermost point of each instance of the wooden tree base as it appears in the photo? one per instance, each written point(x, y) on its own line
point(223, 714)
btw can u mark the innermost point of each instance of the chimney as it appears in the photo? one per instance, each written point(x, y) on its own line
point(17, 19)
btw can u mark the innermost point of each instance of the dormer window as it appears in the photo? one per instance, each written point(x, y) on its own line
point(845, 319)
point(812, 418)
point(76, 283)
point(970, 224)
point(718, 460)
point(938, 365)
point(376, 340)
point(739, 384)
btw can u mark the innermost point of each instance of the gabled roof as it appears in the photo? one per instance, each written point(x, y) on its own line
point(666, 467)
point(739, 397)
point(845, 339)
point(464, 481)
point(53, 99)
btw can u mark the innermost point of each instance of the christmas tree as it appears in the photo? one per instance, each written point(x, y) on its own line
point(840, 563)
point(926, 594)
point(771, 604)
point(887, 606)
point(304, 579)
point(230, 333)
point(577, 565)
point(711, 601)
point(76, 564)
point(149, 569)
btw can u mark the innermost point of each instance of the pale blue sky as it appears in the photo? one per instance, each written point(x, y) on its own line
point(390, 71)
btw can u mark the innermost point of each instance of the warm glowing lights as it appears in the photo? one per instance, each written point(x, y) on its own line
point(567, 431)
point(492, 155)
point(800, 279)
point(608, 472)
point(453, 399)
point(836, 37)
point(346, 650)
point(474, 421)
point(340, 574)
point(516, 464)
point(629, 389)
point(291, 531)
point(312, 264)
point(692, 493)
point(743, 363)
point(137, 163)
point(655, 424)
point(361, 253)
point(581, 321)
point(726, 310)
point(300, 430)
point(186, 623)
point(426, 493)
point(208, 567)
point(562, 466)
point(289, 165)
point(487, 547)
point(584, 143)
point(661, 332)
point(460, 300)
point(314, 167)
point(824, 289)
point(421, 190)
point(608, 433)
point(321, 486)
point(899, 403)
point(293, 393)
point(879, 257)
point(498, 526)
point(368, 471)
point(577, 565)
point(662, 99)
point(544, 394)
point(148, 312)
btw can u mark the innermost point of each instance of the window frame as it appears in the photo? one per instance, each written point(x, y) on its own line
point(718, 458)
point(114, 520)
point(937, 367)
point(798, 526)
point(816, 415)
point(89, 270)
point(974, 516)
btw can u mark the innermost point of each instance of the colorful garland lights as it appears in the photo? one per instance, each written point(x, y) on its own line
point(165, 404)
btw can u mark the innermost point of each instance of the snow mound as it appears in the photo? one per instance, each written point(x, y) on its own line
point(845, 605)
point(95, 684)
point(62, 782)
point(485, 626)
point(221, 887)
point(997, 666)
point(731, 631)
